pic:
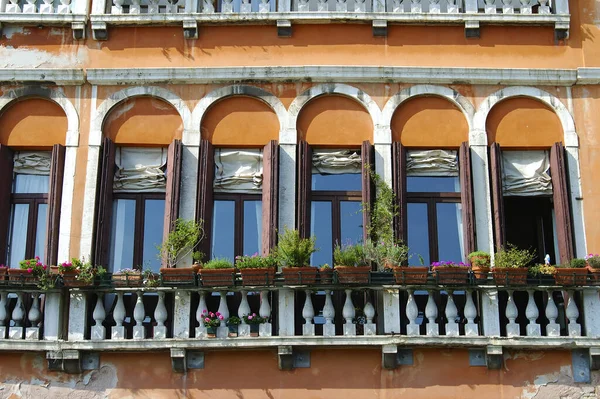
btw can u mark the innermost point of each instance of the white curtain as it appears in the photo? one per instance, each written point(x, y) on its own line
point(140, 169)
point(32, 162)
point(335, 162)
point(238, 171)
point(18, 234)
point(432, 163)
point(526, 173)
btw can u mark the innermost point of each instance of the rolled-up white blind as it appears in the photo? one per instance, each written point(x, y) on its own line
point(432, 163)
point(238, 171)
point(140, 169)
point(32, 162)
point(526, 173)
point(335, 162)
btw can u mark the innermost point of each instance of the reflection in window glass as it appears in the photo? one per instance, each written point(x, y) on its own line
point(252, 227)
point(154, 220)
point(340, 182)
point(320, 227)
point(418, 233)
point(223, 229)
point(351, 220)
point(30, 184)
point(449, 226)
point(431, 184)
point(122, 235)
point(40, 232)
point(19, 217)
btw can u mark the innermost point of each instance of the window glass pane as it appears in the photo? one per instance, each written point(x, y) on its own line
point(351, 222)
point(223, 228)
point(449, 231)
point(40, 232)
point(341, 182)
point(429, 184)
point(30, 184)
point(320, 226)
point(418, 234)
point(252, 227)
point(122, 235)
point(154, 221)
point(19, 217)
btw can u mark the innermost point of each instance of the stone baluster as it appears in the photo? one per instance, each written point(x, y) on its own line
point(369, 328)
point(412, 312)
point(264, 6)
point(532, 313)
point(208, 7)
point(18, 316)
point(322, 5)
point(64, 7)
point(160, 315)
point(227, 6)
point(244, 310)
point(135, 7)
point(553, 328)
point(348, 312)
point(172, 6)
point(328, 314)
point(490, 6)
point(360, 6)
point(572, 314)
point(46, 8)
point(341, 5)
point(431, 313)
point(303, 6)
point(153, 7)
point(434, 6)
point(470, 311)
point(29, 7)
point(99, 314)
point(398, 5)
point(265, 329)
point(118, 331)
point(222, 330)
point(525, 6)
point(308, 313)
point(139, 314)
point(544, 8)
point(512, 328)
point(245, 6)
point(416, 6)
point(3, 315)
point(34, 316)
point(13, 7)
point(117, 7)
point(452, 7)
point(201, 311)
point(451, 315)
point(507, 7)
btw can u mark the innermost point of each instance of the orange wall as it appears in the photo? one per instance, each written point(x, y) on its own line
point(33, 123)
point(429, 122)
point(240, 121)
point(334, 120)
point(523, 122)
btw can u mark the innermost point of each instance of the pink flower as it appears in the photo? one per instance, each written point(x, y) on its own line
point(29, 270)
point(204, 311)
point(45, 267)
point(218, 314)
point(212, 314)
point(37, 258)
point(221, 317)
point(249, 317)
point(207, 320)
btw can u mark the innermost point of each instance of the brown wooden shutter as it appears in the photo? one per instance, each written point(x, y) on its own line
point(173, 186)
point(560, 190)
point(105, 203)
point(54, 200)
point(204, 213)
point(304, 189)
point(497, 195)
point(399, 187)
point(368, 191)
point(466, 198)
point(270, 193)
point(6, 178)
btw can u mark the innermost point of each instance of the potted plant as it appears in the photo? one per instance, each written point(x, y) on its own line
point(232, 323)
point(211, 321)
point(254, 321)
point(293, 253)
point(352, 264)
point(3, 273)
point(326, 274)
point(181, 242)
point(127, 278)
point(510, 267)
point(480, 265)
point(256, 269)
point(79, 273)
point(30, 272)
point(593, 266)
point(217, 272)
point(394, 256)
point(573, 273)
point(450, 272)
point(541, 274)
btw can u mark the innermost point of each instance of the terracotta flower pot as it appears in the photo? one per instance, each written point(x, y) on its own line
point(3, 272)
point(20, 276)
point(480, 273)
point(263, 276)
point(299, 275)
point(410, 275)
point(217, 277)
point(70, 279)
point(510, 276)
point(594, 274)
point(352, 274)
point(451, 275)
point(181, 275)
point(570, 276)
point(127, 280)
point(326, 276)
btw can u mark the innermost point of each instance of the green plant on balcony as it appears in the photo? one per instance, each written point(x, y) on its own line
point(79, 272)
point(293, 253)
point(181, 242)
point(217, 263)
point(511, 264)
point(352, 263)
point(256, 269)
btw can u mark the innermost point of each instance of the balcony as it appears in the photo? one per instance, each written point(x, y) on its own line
point(284, 13)
point(72, 324)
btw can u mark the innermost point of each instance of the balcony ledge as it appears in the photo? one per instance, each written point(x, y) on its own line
point(77, 21)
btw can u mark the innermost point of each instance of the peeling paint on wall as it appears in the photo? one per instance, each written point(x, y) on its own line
point(11, 57)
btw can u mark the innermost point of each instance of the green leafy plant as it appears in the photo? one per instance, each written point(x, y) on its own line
point(33, 266)
point(293, 250)
point(86, 272)
point(255, 261)
point(181, 242)
point(150, 279)
point(234, 321)
point(351, 255)
point(479, 258)
point(254, 319)
point(593, 260)
point(218, 263)
point(537, 270)
point(576, 263)
point(383, 210)
point(387, 253)
point(211, 319)
point(513, 257)
point(325, 267)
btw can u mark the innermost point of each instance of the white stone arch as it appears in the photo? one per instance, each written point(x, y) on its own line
point(566, 119)
point(54, 95)
point(99, 115)
point(194, 135)
point(461, 102)
point(290, 136)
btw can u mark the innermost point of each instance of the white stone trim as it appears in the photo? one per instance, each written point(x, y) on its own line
point(62, 77)
point(461, 102)
point(290, 136)
point(193, 135)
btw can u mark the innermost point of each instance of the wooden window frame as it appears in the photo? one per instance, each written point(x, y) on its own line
point(335, 198)
point(34, 201)
point(238, 224)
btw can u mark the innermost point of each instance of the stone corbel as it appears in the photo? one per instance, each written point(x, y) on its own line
point(78, 29)
point(99, 31)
